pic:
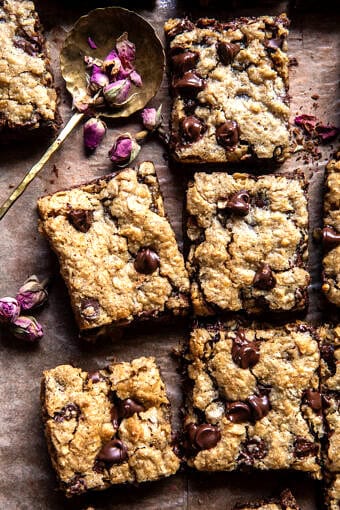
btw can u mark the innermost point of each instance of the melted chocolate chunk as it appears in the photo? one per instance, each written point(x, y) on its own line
point(238, 412)
point(239, 202)
point(227, 134)
point(146, 261)
point(204, 436)
point(227, 52)
point(191, 128)
point(77, 485)
point(273, 44)
point(129, 407)
point(330, 238)
point(67, 413)
point(264, 278)
point(113, 452)
point(327, 354)
point(244, 353)
point(303, 447)
point(254, 449)
point(313, 399)
point(183, 62)
point(90, 309)
point(115, 416)
point(80, 219)
point(260, 406)
point(95, 377)
point(184, 25)
point(189, 84)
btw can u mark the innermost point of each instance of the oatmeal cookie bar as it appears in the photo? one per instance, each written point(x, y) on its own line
point(285, 501)
point(252, 402)
point(330, 378)
point(117, 251)
point(331, 232)
point(28, 99)
point(229, 83)
point(107, 427)
point(248, 242)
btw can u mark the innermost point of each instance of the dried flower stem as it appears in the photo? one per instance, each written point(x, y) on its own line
point(33, 172)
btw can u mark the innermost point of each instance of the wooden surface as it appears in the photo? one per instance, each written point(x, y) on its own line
point(27, 480)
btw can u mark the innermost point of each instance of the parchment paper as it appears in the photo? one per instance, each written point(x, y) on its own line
point(27, 480)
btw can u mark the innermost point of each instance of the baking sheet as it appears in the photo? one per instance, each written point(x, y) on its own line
point(26, 477)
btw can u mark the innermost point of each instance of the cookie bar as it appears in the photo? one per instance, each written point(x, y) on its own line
point(331, 232)
point(285, 501)
point(229, 83)
point(107, 427)
point(248, 242)
point(28, 99)
point(117, 251)
point(254, 398)
point(330, 378)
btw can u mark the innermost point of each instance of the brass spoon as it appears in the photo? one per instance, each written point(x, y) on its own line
point(104, 26)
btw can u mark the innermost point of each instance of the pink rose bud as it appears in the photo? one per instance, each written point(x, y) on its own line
point(32, 294)
point(9, 309)
point(27, 328)
point(124, 150)
point(116, 93)
point(98, 78)
point(112, 63)
point(94, 132)
point(136, 79)
point(126, 49)
point(152, 118)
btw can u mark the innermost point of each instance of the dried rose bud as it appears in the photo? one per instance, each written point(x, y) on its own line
point(124, 150)
point(27, 328)
point(94, 132)
point(116, 93)
point(112, 63)
point(151, 118)
point(98, 79)
point(9, 309)
point(32, 294)
point(126, 50)
point(136, 78)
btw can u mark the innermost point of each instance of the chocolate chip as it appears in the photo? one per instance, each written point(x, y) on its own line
point(184, 25)
point(238, 412)
point(146, 261)
point(227, 52)
point(77, 486)
point(80, 219)
point(67, 413)
point(192, 128)
point(260, 406)
point(227, 134)
point(327, 354)
point(113, 452)
point(254, 449)
point(89, 309)
point(313, 399)
point(129, 407)
point(95, 377)
point(115, 416)
point(330, 238)
point(303, 447)
point(239, 202)
point(273, 44)
point(189, 84)
point(244, 353)
point(264, 278)
point(185, 61)
point(204, 436)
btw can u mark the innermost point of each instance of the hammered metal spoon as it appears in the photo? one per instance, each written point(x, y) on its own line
point(103, 25)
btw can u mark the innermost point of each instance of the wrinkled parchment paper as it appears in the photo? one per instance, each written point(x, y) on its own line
point(27, 480)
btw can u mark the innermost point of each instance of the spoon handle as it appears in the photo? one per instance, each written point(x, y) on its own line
point(39, 165)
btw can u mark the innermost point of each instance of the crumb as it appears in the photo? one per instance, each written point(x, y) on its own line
point(293, 62)
point(55, 171)
point(315, 96)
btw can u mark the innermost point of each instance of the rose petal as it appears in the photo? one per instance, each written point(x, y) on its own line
point(126, 49)
point(307, 122)
point(327, 133)
point(136, 79)
point(91, 43)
